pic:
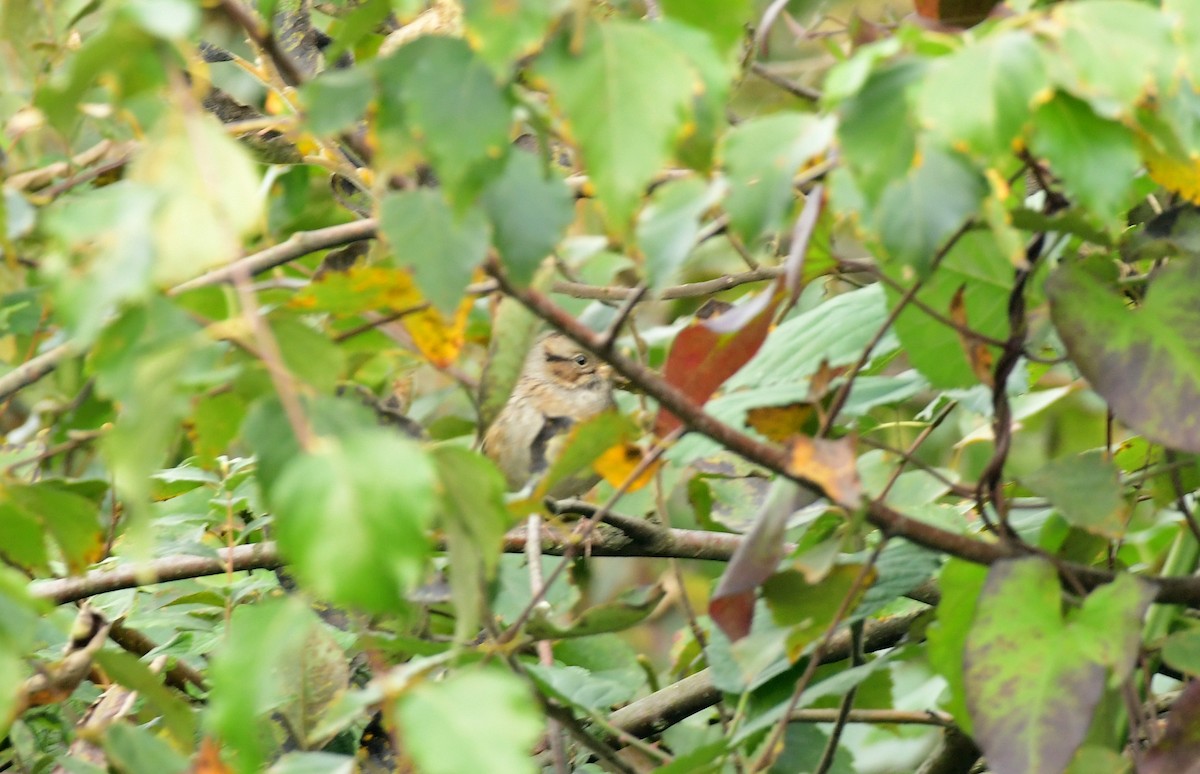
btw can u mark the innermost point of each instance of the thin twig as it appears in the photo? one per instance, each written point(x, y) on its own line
point(296, 246)
point(262, 38)
point(774, 744)
point(582, 533)
point(791, 87)
point(618, 322)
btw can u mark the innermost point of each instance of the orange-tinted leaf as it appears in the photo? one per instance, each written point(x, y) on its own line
point(208, 759)
point(780, 423)
point(711, 349)
point(618, 462)
point(978, 354)
point(829, 465)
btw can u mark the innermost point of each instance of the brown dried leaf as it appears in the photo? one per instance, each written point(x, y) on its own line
point(829, 465)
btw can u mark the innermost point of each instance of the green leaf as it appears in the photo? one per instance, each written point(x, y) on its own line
point(530, 210)
point(625, 612)
point(504, 33)
point(200, 217)
point(112, 225)
point(1086, 490)
point(981, 96)
point(917, 214)
point(834, 331)
point(977, 266)
point(443, 249)
point(575, 687)
point(880, 109)
point(669, 224)
point(1091, 34)
point(584, 445)
point(1129, 354)
point(623, 121)
point(960, 584)
point(178, 717)
point(1095, 158)
point(366, 499)
point(480, 720)
point(336, 99)
point(1034, 719)
point(762, 157)
point(71, 519)
point(513, 335)
point(267, 431)
point(715, 72)
point(723, 20)
point(437, 97)
point(474, 517)
point(806, 608)
point(308, 354)
point(133, 750)
point(1182, 651)
point(247, 682)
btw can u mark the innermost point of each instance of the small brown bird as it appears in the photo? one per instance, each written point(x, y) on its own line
point(560, 385)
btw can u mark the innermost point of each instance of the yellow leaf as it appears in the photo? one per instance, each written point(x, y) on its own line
point(780, 423)
point(1178, 175)
point(618, 462)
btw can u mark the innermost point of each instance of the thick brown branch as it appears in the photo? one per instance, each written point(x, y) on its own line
point(676, 543)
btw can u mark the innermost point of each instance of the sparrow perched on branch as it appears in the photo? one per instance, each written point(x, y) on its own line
point(561, 384)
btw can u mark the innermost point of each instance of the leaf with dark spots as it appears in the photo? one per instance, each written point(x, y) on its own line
point(1178, 752)
point(712, 348)
point(1034, 678)
point(732, 605)
point(1145, 362)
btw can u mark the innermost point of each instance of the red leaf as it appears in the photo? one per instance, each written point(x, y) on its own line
point(756, 559)
point(956, 13)
point(711, 349)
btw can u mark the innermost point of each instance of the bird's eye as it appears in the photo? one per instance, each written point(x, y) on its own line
point(580, 359)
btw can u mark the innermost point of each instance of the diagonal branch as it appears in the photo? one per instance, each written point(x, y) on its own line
point(1170, 590)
